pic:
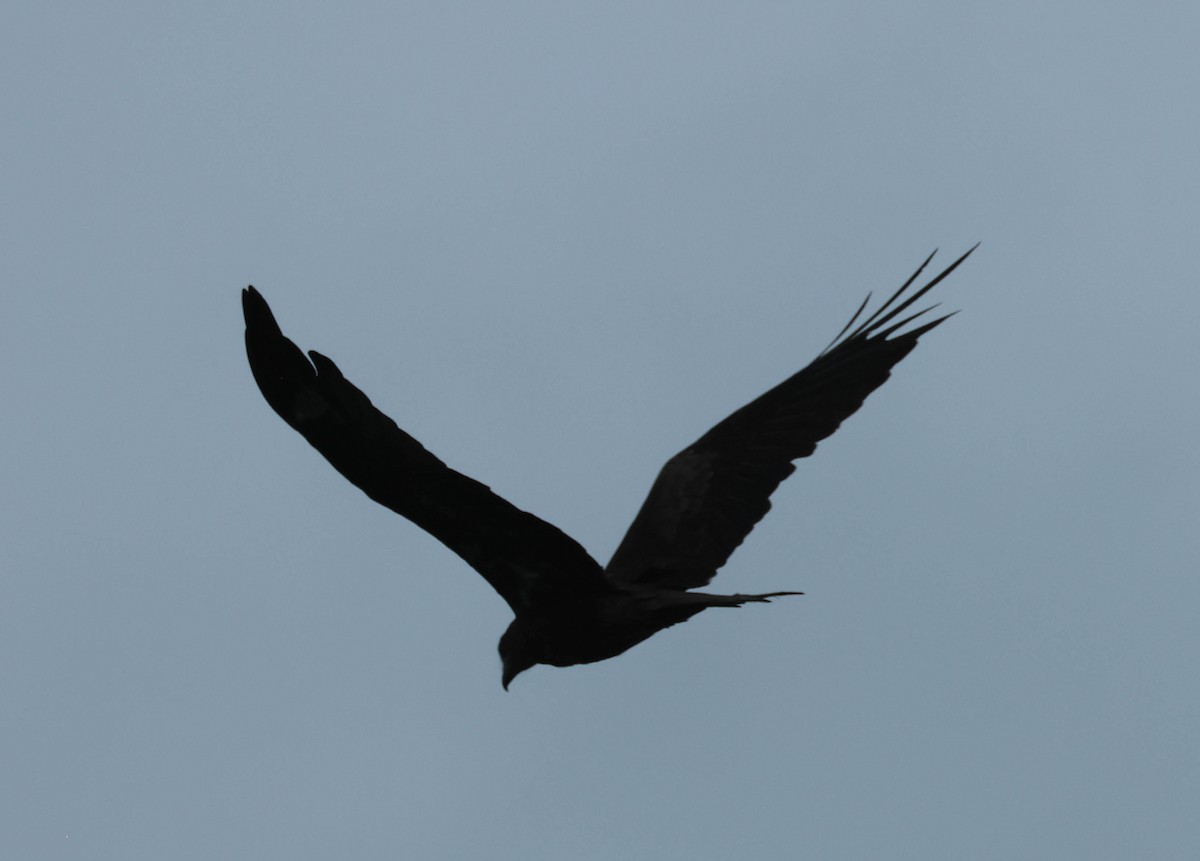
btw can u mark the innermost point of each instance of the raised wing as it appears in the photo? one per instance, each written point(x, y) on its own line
point(522, 556)
point(708, 497)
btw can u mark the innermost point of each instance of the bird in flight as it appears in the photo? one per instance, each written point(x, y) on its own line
point(568, 608)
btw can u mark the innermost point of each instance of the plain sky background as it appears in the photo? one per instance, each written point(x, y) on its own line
point(556, 242)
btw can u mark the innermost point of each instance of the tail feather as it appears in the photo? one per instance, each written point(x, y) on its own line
point(710, 600)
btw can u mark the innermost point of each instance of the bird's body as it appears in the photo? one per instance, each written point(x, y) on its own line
point(568, 609)
point(594, 627)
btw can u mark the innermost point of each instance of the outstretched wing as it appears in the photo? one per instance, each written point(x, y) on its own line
point(522, 556)
point(708, 497)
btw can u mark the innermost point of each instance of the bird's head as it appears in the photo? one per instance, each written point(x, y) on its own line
point(516, 651)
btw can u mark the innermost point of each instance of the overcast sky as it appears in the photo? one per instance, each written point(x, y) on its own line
point(556, 242)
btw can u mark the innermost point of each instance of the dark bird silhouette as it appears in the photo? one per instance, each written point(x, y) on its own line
point(569, 610)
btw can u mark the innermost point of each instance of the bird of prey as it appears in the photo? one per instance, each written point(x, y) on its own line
point(568, 608)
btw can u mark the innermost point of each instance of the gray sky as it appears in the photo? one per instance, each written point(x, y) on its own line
point(556, 242)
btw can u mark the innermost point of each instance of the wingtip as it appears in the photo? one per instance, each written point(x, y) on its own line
point(967, 254)
point(252, 300)
point(257, 312)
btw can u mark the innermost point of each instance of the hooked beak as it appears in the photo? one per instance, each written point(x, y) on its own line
point(511, 672)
